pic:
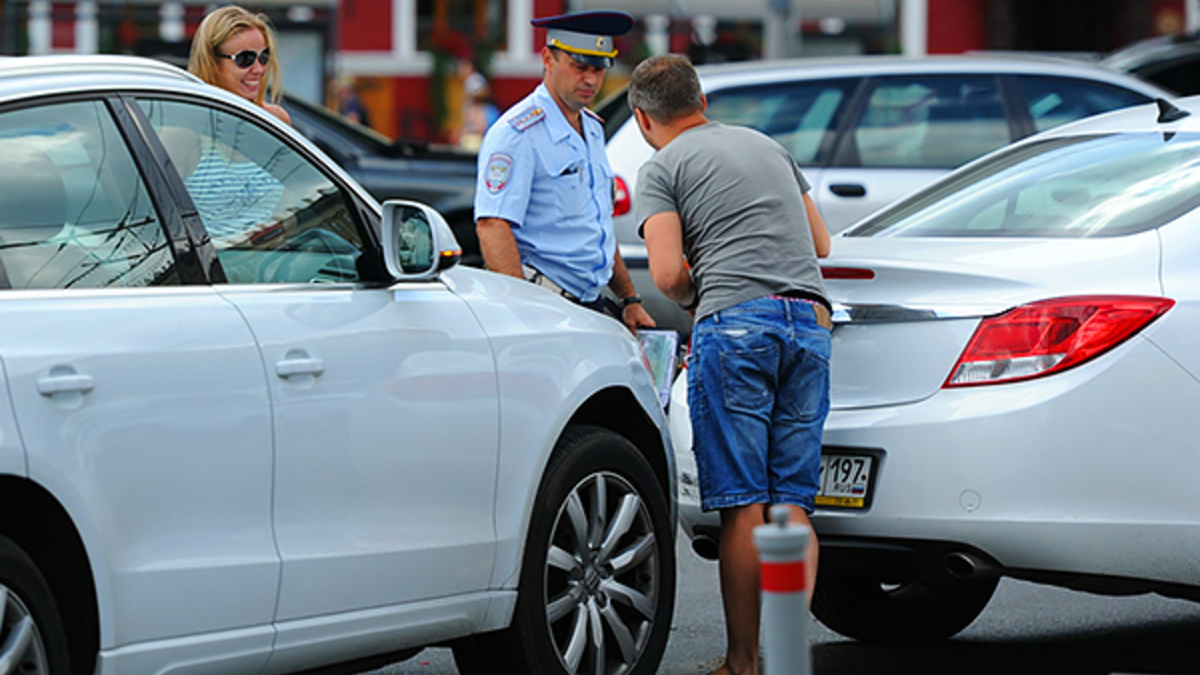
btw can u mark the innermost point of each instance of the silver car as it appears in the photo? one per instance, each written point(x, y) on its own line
point(252, 422)
point(1015, 376)
point(870, 130)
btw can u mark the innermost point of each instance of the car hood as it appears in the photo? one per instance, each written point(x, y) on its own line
point(899, 332)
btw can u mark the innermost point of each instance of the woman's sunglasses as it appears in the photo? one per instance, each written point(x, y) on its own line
point(246, 58)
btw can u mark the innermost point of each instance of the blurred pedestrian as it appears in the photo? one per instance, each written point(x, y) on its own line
point(544, 198)
point(349, 104)
point(733, 235)
point(479, 111)
point(234, 49)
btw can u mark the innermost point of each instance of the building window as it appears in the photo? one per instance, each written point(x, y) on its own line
point(462, 27)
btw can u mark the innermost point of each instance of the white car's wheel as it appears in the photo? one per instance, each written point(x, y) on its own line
point(598, 579)
point(871, 609)
point(32, 640)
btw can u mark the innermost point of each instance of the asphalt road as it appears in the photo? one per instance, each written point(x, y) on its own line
point(1026, 630)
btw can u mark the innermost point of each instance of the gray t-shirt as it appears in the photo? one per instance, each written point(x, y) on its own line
point(739, 196)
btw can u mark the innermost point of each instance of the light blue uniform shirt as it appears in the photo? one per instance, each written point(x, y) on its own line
point(536, 172)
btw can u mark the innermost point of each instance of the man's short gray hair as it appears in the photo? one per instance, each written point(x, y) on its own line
point(665, 88)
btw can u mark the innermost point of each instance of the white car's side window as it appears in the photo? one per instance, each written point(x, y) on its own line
point(74, 212)
point(801, 116)
point(931, 122)
point(1057, 100)
point(271, 215)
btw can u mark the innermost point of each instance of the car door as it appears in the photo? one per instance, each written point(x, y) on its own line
point(907, 132)
point(384, 397)
point(140, 399)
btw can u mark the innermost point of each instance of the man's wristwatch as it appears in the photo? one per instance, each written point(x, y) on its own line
point(631, 300)
point(691, 304)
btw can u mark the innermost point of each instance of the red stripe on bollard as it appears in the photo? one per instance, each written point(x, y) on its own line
point(786, 577)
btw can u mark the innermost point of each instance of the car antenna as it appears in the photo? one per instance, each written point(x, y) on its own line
point(1169, 112)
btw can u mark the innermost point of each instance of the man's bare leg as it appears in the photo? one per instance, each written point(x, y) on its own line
point(740, 587)
point(800, 517)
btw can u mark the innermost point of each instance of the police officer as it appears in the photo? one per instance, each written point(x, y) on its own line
point(543, 198)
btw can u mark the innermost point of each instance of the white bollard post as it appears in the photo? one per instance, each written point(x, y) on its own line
point(784, 581)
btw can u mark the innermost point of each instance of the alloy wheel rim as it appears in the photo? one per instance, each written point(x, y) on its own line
point(602, 578)
point(21, 648)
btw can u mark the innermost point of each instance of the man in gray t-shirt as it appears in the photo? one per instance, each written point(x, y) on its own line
point(732, 234)
point(740, 200)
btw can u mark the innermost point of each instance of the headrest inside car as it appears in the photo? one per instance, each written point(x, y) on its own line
point(31, 189)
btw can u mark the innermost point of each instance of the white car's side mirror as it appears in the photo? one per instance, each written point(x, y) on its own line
point(417, 242)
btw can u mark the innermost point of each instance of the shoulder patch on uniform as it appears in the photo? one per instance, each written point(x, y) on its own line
point(527, 118)
point(593, 115)
point(499, 166)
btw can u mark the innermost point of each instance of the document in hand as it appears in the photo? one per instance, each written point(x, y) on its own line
point(659, 349)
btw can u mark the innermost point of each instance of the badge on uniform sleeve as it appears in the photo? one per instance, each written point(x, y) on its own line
point(499, 166)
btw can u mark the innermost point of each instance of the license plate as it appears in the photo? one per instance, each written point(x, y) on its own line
point(845, 480)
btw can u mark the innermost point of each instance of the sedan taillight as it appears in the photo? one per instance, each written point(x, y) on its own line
point(622, 202)
point(1050, 336)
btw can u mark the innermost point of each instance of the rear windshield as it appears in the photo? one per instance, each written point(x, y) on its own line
point(1082, 186)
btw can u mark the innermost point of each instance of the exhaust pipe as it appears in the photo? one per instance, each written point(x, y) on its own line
point(967, 565)
point(706, 546)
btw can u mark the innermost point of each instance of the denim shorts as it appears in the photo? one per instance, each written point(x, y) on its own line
point(758, 390)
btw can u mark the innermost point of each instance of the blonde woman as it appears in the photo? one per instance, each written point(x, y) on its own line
point(234, 49)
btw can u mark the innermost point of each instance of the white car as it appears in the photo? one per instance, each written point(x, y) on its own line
point(1015, 379)
point(252, 422)
point(870, 130)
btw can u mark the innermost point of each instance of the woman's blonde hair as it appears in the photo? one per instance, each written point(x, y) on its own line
point(222, 24)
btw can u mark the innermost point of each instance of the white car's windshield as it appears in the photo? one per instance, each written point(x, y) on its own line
point(1074, 187)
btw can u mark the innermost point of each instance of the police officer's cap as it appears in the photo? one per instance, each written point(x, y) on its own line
point(586, 36)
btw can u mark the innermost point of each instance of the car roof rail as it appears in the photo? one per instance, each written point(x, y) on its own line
point(25, 66)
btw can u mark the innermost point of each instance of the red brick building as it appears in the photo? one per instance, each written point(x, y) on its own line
point(404, 54)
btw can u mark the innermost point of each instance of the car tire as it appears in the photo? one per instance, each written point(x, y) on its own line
point(597, 586)
point(867, 608)
point(32, 639)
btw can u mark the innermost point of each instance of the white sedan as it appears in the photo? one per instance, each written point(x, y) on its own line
point(1015, 380)
point(252, 422)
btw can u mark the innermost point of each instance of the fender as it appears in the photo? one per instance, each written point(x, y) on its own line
point(529, 389)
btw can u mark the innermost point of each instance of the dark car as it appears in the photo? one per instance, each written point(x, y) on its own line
point(439, 175)
point(1172, 62)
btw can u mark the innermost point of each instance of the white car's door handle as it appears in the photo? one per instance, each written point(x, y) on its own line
point(65, 384)
point(293, 367)
point(848, 190)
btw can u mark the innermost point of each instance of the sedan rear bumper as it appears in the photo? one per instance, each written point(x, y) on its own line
point(1065, 479)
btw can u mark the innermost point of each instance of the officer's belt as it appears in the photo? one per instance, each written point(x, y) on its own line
point(536, 277)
